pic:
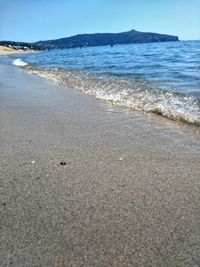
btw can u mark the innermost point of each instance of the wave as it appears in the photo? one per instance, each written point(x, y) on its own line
point(128, 93)
point(19, 62)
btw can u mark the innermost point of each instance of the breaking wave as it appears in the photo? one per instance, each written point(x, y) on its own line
point(19, 62)
point(132, 94)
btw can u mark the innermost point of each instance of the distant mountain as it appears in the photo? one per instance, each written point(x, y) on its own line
point(95, 39)
point(99, 39)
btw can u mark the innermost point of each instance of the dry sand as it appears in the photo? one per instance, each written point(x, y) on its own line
point(8, 51)
point(129, 194)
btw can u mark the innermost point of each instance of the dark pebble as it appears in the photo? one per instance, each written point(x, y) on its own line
point(63, 163)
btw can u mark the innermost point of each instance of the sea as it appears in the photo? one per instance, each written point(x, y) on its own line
point(161, 78)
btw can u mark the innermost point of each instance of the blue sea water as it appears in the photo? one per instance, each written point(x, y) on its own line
point(163, 78)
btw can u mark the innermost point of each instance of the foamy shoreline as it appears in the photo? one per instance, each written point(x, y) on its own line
point(8, 51)
point(121, 90)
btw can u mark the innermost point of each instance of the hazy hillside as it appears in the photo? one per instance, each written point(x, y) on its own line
point(95, 39)
point(98, 39)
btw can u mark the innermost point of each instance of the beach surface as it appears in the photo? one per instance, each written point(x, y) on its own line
point(8, 51)
point(85, 184)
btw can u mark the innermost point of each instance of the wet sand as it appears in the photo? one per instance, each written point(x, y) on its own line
point(128, 195)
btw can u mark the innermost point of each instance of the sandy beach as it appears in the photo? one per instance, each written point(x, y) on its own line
point(126, 193)
point(8, 51)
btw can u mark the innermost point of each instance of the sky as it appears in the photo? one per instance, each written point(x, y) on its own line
point(34, 20)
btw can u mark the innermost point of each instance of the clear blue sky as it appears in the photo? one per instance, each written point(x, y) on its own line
point(33, 20)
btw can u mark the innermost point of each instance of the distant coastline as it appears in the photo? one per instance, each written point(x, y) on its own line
point(96, 39)
point(8, 51)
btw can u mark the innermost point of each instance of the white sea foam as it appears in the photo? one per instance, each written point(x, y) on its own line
point(19, 62)
point(134, 95)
